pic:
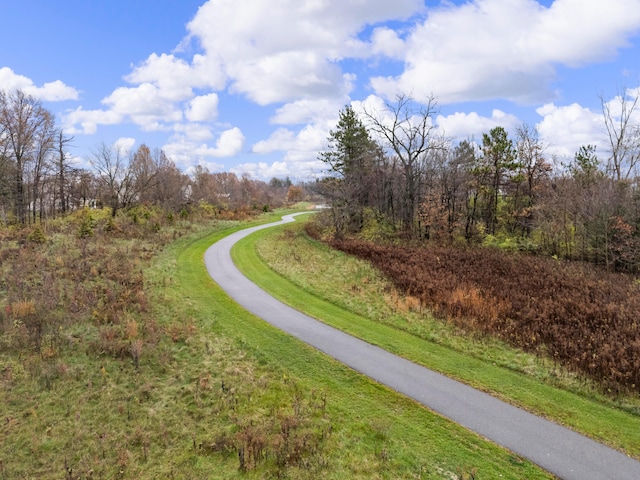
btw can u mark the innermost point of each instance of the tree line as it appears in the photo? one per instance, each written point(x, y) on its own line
point(39, 179)
point(392, 171)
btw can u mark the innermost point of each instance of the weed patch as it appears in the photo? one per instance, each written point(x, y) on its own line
point(580, 316)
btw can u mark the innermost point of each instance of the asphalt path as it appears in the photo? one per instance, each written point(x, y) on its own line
point(553, 447)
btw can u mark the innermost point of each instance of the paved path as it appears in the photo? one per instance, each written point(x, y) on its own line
point(558, 450)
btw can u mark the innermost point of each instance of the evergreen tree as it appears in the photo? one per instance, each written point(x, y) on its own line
point(351, 158)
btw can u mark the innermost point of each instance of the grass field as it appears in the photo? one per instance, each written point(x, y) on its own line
point(353, 297)
point(145, 369)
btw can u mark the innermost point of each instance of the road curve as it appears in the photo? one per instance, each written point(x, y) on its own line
point(557, 449)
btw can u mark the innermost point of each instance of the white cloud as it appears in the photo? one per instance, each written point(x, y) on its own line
point(229, 144)
point(294, 167)
point(55, 91)
point(281, 139)
point(285, 50)
point(308, 111)
point(386, 42)
point(286, 76)
point(565, 129)
point(263, 170)
point(311, 138)
point(187, 149)
point(161, 84)
point(203, 108)
point(146, 105)
point(125, 144)
point(472, 125)
point(487, 49)
point(88, 120)
point(194, 131)
point(173, 76)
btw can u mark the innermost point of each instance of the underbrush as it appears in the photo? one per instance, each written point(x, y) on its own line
point(579, 316)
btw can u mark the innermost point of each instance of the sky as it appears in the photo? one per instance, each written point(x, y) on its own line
point(254, 86)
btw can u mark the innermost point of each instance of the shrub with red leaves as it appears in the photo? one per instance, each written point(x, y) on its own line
point(585, 318)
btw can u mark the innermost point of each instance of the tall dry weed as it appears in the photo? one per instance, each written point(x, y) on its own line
point(583, 317)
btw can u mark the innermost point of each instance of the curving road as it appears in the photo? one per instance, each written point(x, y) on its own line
point(557, 449)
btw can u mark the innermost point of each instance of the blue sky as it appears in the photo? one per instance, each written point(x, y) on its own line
point(253, 86)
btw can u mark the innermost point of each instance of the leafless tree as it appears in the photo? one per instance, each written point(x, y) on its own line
point(62, 169)
point(623, 132)
point(408, 131)
point(23, 123)
point(113, 174)
point(41, 162)
point(535, 169)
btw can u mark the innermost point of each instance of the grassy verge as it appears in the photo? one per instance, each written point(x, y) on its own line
point(351, 296)
point(375, 432)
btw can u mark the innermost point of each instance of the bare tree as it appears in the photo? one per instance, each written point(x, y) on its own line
point(623, 132)
point(535, 169)
point(23, 121)
point(169, 189)
point(114, 175)
point(43, 148)
point(62, 169)
point(407, 129)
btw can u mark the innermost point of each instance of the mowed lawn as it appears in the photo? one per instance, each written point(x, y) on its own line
point(352, 296)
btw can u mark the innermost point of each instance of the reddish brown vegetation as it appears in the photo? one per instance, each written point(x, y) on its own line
point(580, 316)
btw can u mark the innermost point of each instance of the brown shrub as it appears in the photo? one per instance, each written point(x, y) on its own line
point(581, 316)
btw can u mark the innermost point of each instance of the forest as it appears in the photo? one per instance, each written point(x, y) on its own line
point(40, 179)
point(393, 174)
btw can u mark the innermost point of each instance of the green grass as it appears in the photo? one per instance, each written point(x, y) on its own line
point(210, 375)
point(375, 432)
point(347, 294)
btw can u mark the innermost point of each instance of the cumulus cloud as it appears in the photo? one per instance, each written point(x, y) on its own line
point(174, 76)
point(80, 121)
point(147, 105)
point(488, 49)
point(472, 125)
point(55, 91)
point(285, 50)
point(125, 144)
point(308, 111)
point(186, 149)
point(311, 138)
point(565, 129)
point(387, 42)
point(203, 108)
point(292, 166)
point(229, 144)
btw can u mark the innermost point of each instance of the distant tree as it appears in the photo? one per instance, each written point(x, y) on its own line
point(41, 163)
point(408, 132)
point(113, 174)
point(534, 170)
point(350, 156)
point(497, 161)
point(295, 194)
point(585, 165)
point(62, 169)
point(25, 127)
point(170, 188)
point(623, 132)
